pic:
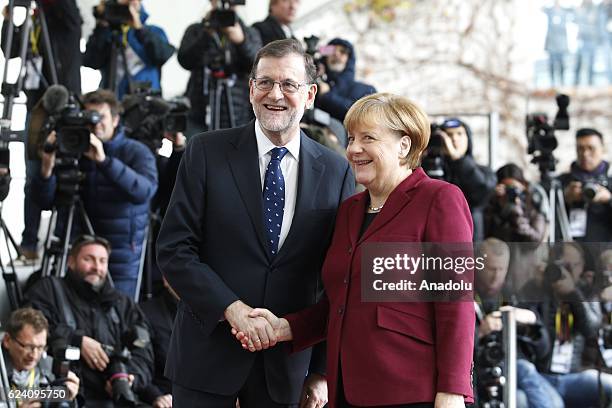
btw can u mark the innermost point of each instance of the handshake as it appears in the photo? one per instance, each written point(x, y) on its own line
point(256, 329)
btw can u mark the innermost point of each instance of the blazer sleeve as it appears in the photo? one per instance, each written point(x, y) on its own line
point(309, 326)
point(449, 220)
point(180, 238)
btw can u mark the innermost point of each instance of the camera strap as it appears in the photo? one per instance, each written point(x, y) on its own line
point(62, 300)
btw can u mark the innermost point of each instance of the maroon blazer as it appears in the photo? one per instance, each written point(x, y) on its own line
point(392, 353)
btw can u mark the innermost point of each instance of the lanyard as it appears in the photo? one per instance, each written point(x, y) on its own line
point(564, 323)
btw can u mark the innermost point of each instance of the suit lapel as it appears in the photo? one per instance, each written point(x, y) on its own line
point(310, 174)
point(244, 164)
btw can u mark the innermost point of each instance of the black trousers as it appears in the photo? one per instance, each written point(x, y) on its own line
point(253, 394)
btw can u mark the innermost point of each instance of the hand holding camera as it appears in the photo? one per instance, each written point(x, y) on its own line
point(96, 150)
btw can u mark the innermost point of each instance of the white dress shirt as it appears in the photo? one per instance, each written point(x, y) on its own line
point(289, 167)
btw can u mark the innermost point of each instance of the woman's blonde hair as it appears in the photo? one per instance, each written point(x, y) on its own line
point(396, 113)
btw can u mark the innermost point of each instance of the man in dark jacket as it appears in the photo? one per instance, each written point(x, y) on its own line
point(276, 25)
point(477, 182)
point(587, 190)
point(64, 26)
point(216, 55)
point(121, 179)
point(146, 49)
point(85, 311)
point(338, 89)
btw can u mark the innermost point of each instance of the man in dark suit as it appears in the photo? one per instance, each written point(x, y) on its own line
point(247, 226)
point(277, 25)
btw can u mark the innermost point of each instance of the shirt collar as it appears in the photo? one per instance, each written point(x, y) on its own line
point(264, 145)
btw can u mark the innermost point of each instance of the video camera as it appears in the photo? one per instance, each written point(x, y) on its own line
point(114, 14)
point(223, 16)
point(136, 337)
point(541, 139)
point(490, 373)
point(147, 116)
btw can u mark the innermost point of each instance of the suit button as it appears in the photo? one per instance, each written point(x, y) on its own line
point(350, 250)
point(341, 310)
point(346, 280)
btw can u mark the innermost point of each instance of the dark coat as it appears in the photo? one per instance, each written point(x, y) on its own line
point(116, 196)
point(344, 90)
point(270, 30)
point(477, 183)
point(198, 50)
point(213, 251)
point(103, 315)
point(160, 312)
point(392, 353)
point(150, 44)
point(599, 216)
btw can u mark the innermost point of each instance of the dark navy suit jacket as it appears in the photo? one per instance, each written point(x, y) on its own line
point(212, 249)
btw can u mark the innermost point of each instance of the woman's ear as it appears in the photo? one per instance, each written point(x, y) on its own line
point(405, 144)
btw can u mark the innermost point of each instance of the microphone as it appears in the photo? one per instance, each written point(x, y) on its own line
point(55, 99)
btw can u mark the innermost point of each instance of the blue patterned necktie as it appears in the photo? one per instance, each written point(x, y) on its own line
point(274, 198)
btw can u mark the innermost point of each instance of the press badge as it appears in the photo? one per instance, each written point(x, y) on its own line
point(578, 222)
point(33, 72)
point(562, 357)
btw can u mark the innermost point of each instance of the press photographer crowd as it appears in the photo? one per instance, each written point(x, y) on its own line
point(176, 280)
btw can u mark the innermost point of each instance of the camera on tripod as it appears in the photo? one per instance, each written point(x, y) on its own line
point(490, 373)
point(223, 16)
point(73, 127)
point(134, 338)
point(541, 139)
point(115, 14)
point(147, 116)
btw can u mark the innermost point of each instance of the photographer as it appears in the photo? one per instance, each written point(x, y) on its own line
point(571, 314)
point(338, 89)
point(459, 167)
point(64, 27)
point(213, 53)
point(276, 26)
point(120, 181)
point(146, 48)
point(23, 351)
point(532, 339)
point(85, 311)
point(587, 190)
point(514, 213)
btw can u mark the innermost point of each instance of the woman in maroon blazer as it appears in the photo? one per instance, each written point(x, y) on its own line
point(406, 354)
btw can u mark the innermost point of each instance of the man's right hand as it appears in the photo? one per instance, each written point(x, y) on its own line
point(163, 401)
point(48, 159)
point(93, 354)
point(258, 330)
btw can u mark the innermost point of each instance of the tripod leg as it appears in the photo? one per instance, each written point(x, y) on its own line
point(230, 103)
point(66, 243)
point(50, 58)
point(47, 262)
point(85, 218)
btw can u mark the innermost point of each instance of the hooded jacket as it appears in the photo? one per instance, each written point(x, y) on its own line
point(344, 90)
point(476, 181)
point(150, 44)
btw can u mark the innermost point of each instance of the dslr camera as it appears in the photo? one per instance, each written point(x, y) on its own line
point(223, 16)
point(114, 14)
point(136, 337)
point(434, 161)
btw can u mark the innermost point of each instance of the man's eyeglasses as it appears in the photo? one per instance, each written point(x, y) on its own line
point(31, 347)
point(287, 86)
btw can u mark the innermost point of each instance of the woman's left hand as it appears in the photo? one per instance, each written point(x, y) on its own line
point(447, 400)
